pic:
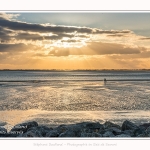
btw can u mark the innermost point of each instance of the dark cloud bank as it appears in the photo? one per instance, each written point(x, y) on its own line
point(10, 29)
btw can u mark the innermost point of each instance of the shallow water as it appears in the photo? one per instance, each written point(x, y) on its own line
point(75, 96)
point(70, 97)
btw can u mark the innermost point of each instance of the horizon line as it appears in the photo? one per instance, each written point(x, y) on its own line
point(72, 69)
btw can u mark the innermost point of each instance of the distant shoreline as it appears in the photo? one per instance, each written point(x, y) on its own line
point(35, 81)
point(60, 70)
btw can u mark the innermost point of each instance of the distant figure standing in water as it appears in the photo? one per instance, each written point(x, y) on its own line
point(105, 81)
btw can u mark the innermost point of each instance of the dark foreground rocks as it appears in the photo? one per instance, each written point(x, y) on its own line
point(82, 130)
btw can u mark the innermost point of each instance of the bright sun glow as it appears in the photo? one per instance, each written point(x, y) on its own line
point(97, 41)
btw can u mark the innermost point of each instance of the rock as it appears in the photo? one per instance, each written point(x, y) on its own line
point(41, 129)
point(129, 132)
point(114, 130)
point(22, 128)
point(72, 131)
point(103, 131)
point(52, 133)
point(76, 129)
point(108, 134)
point(67, 133)
point(142, 135)
point(147, 132)
point(9, 135)
point(61, 129)
point(89, 127)
point(31, 133)
point(127, 125)
point(2, 123)
point(145, 125)
point(83, 134)
point(123, 135)
point(3, 132)
point(109, 124)
point(94, 126)
point(94, 134)
point(139, 131)
point(84, 129)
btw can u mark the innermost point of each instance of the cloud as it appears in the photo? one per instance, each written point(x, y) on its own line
point(14, 33)
point(70, 41)
point(24, 26)
point(112, 31)
point(16, 47)
point(96, 48)
point(143, 54)
point(34, 37)
point(113, 48)
point(11, 47)
point(145, 38)
point(15, 25)
point(4, 35)
point(116, 35)
point(8, 16)
point(25, 45)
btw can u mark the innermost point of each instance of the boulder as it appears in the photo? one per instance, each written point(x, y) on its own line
point(62, 128)
point(123, 135)
point(22, 128)
point(108, 134)
point(129, 132)
point(139, 131)
point(76, 129)
point(31, 133)
point(94, 134)
point(43, 130)
point(142, 135)
point(127, 125)
point(89, 127)
point(2, 123)
point(145, 125)
point(9, 135)
point(3, 132)
point(67, 133)
point(94, 126)
point(147, 132)
point(84, 129)
point(109, 124)
point(52, 133)
point(84, 134)
point(114, 130)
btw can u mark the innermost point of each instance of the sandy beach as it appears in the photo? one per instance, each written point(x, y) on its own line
point(56, 118)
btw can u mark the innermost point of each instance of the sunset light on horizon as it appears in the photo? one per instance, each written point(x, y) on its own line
point(74, 40)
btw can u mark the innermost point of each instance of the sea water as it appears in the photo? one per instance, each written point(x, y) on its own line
point(63, 97)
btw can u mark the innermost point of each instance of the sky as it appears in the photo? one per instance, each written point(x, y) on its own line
point(74, 40)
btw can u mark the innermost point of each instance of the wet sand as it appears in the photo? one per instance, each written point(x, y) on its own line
point(54, 118)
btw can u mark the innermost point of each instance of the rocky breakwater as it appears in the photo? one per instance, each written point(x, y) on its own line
point(84, 129)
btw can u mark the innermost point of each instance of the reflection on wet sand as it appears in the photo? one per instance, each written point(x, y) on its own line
point(55, 118)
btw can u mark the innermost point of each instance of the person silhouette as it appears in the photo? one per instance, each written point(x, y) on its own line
point(105, 81)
